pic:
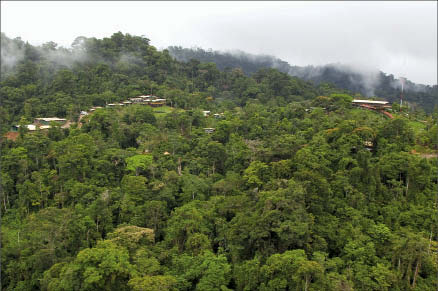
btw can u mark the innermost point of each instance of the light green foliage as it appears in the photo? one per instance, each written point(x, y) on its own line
point(75, 156)
point(203, 272)
point(138, 163)
point(104, 267)
point(247, 275)
point(39, 241)
point(186, 221)
point(290, 270)
point(193, 188)
point(131, 237)
point(140, 114)
point(145, 263)
point(256, 174)
point(153, 283)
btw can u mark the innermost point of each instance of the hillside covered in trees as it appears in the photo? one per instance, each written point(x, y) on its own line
point(291, 189)
point(366, 82)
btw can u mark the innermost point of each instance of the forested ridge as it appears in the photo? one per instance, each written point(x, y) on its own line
point(294, 189)
point(368, 82)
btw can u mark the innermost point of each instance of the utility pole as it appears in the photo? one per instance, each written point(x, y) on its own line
point(402, 81)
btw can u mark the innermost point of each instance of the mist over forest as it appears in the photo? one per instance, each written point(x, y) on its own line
point(367, 82)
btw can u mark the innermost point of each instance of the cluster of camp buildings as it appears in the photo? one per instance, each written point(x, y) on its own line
point(207, 113)
point(45, 122)
point(368, 104)
point(42, 123)
point(143, 100)
point(379, 106)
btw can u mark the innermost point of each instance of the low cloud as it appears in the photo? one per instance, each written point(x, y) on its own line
point(14, 51)
point(11, 53)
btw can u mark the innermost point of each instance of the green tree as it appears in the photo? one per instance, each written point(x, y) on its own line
point(105, 266)
point(138, 163)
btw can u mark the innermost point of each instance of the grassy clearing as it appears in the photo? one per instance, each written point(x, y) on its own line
point(417, 126)
point(364, 114)
point(158, 111)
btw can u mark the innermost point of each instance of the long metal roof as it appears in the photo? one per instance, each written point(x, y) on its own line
point(369, 101)
point(51, 119)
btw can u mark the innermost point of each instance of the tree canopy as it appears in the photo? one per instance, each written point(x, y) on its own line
point(284, 186)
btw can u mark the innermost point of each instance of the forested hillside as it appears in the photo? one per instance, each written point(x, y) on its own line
point(283, 186)
point(366, 82)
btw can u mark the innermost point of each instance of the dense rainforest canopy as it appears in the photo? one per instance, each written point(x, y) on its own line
point(294, 189)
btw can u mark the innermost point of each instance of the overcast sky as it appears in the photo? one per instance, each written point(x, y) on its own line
point(396, 37)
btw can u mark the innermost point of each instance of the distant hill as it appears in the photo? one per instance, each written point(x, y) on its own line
point(368, 83)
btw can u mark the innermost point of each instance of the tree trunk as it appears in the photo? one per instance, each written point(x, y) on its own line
point(408, 272)
point(398, 267)
point(41, 195)
point(417, 269)
point(153, 171)
point(4, 202)
point(179, 167)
